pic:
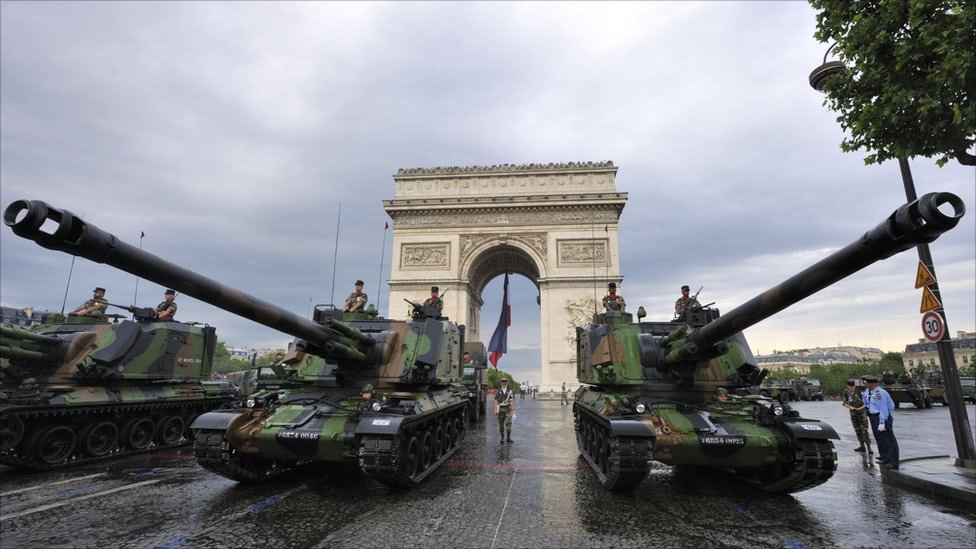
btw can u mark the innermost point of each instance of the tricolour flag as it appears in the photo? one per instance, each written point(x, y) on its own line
point(499, 340)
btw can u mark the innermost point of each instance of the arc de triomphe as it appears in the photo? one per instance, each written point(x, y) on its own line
point(555, 224)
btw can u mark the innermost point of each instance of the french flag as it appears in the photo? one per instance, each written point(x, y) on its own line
point(499, 340)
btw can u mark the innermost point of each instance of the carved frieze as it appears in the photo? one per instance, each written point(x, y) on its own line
point(582, 252)
point(428, 256)
point(494, 219)
point(535, 241)
point(579, 313)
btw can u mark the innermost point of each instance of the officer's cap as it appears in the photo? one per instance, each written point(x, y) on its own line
point(170, 292)
point(685, 287)
point(612, 285)
point(435, 289)
point(869, 379)
point(99, 289)
point(359, 283)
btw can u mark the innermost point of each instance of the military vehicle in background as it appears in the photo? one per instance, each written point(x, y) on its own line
point(28, 317)
point(777, 389)
point(474, 378)
point(968, 389)
point(931, 381)
point(808, 389)
point(903, 388)
point(356, 390)
point(676, 392)
point(87, 389)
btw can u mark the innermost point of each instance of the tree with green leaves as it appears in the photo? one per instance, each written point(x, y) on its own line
point(909, 79)
point(495, 376)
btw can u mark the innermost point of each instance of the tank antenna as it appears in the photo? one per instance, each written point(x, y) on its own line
point(68, 285)
point(335, 254)
point(135, 296)
point(379, 279)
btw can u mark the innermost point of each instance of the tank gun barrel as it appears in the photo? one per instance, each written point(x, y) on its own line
point(918, 222)
point(75, 236)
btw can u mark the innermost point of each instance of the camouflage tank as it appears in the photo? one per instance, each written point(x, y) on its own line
point(779, 389)
point(933, 384)
point(903, 388)
point(670, 391)
point(474, 378)
point(86, 389)
point(318, 412)
point(808, 389)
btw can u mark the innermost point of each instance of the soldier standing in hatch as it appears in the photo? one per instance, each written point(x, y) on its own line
point(613, 301)
point(167, 309)
point(563, 397)
point(859, 416)
point(435, 300)
point(505, 410)
point(356, 300)
point(685, 303)
point(94, 306)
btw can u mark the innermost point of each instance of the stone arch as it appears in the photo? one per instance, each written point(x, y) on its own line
point(459, 227)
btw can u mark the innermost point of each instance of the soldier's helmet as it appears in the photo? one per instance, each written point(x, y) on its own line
point(721, 391)
point(368, 388)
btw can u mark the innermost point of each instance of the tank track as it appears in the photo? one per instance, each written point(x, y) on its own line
point(214, 453)
point(620, 463)
point(422, 444)
point(814, 462)
point(34, 422)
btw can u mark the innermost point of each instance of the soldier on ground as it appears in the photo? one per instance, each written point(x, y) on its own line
point(94, 306)
point(434, 300)
point(505, 410)
point(859, 417)
point(686, 303)
point(356, 300)
point(563, 396)
point(167, 309)
point(613, 301)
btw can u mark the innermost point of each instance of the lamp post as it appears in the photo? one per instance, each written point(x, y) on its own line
point(947, 360)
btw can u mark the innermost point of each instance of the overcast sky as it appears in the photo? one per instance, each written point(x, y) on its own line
point(230, 132)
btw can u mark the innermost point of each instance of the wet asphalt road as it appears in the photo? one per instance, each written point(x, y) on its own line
point(533, 493)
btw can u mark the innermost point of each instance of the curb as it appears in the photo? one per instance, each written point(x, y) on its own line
point(928, 486)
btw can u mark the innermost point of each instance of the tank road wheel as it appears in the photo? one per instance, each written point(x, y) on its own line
point(812, 463)
point(449, 440)
point(170, 430)
point(413, 456)
point(99, 439)
point(54, 445)
point(11, 432)
point(427, 448)
point(459, 431)
point(436, 439)
point(137, 433)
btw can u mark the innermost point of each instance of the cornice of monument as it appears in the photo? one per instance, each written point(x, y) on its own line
point(453, 210)
point(506, 169)
point(513, 201)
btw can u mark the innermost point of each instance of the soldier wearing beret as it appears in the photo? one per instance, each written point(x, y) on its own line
point(356, 300)
point(94, 306)
point(686, 303)
point(613, 301)
point(167, 309)
point(435, 300)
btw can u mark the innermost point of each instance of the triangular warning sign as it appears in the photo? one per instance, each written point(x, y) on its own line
point(929, 302)
point(923, 277)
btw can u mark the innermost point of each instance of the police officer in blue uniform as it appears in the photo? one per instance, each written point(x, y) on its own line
point(880, 408)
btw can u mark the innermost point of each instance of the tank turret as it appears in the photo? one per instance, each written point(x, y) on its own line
point(677, 391)
point(354, 389)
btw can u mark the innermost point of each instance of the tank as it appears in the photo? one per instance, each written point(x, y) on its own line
point(474, 378)
point(934, 385)
point(677, 392)
point(314, 409)
point(83, 388)
point(779, 389)
point(904, 388)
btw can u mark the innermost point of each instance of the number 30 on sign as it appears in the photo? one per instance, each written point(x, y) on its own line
point(933, 327)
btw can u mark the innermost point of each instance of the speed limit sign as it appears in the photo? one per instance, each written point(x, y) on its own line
point(933, 327)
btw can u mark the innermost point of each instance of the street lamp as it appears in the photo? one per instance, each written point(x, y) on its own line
point(950, 373)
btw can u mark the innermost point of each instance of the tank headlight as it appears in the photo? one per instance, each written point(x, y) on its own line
point(470, 395)
point(778, 410)
point(250, 403)
point(377, 406)
point(641, 408)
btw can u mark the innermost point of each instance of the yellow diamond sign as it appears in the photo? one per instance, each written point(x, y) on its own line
point(929, 301)
point(923, 277)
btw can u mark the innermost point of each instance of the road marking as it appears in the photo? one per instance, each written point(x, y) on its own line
point(502, 515)
point(77, 499)
point(28, 489)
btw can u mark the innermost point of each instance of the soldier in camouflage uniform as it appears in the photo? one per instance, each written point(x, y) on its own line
point(167, 309)
point(435, 300)
point(94, 306)
point(505, 410)
point(613, 301)
point(356, 300)
point(686, 303)
point(859, 416)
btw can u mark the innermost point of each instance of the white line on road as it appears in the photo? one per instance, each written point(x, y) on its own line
point(502, 515)
point(28, 489)
point(77, 499)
